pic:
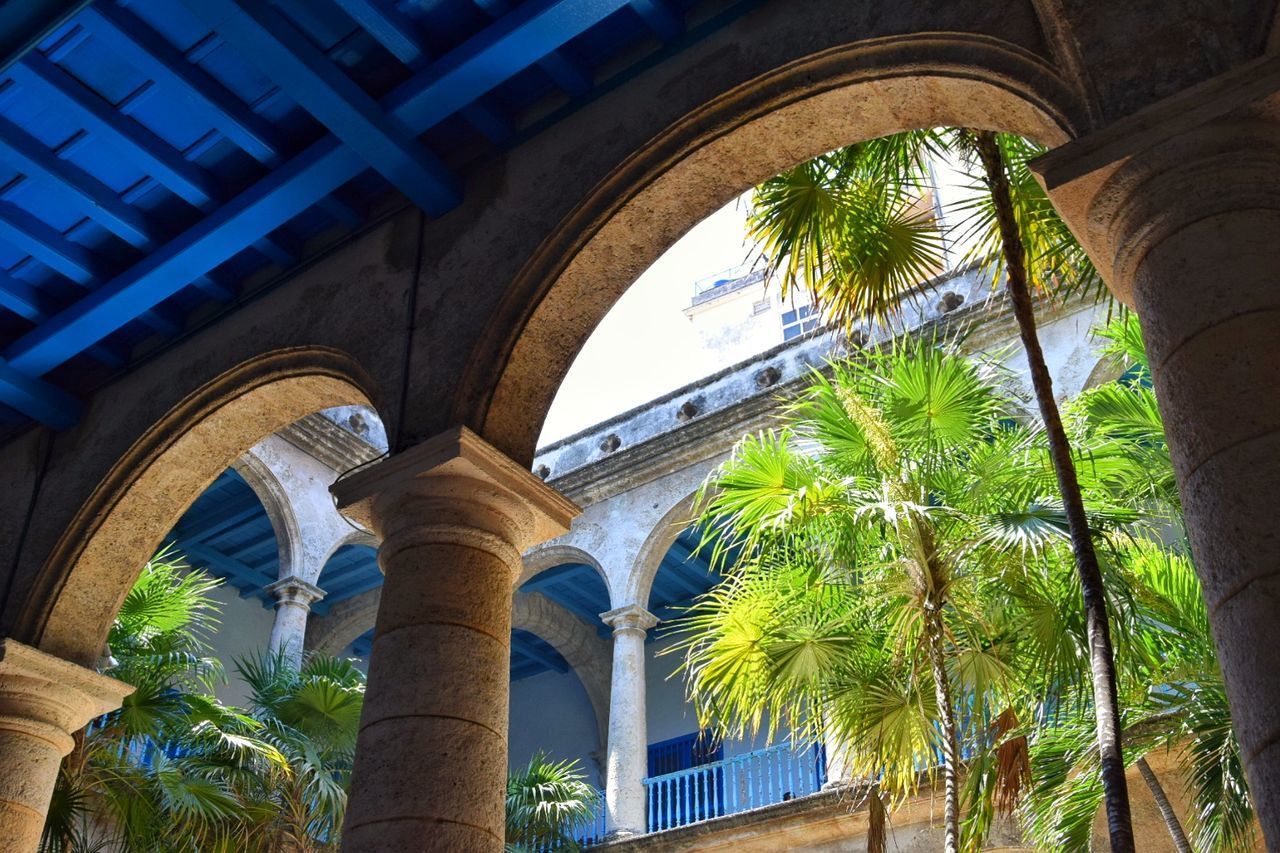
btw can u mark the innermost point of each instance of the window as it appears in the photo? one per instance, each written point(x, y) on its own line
point(798, 321)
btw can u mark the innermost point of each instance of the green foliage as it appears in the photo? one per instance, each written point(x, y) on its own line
point(176, 770)
point(899, 476)
point(545, 800)
point(854, 230)
point(899, 486)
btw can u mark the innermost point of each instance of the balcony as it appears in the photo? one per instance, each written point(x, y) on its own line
point(737, 784)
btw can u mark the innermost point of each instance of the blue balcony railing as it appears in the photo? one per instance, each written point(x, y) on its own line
point(733, 785)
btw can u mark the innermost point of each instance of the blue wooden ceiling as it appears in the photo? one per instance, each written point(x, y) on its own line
point(156, 154)
point(227, 533)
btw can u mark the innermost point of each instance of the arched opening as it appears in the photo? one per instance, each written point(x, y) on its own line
point(560, 665)
point(145, 494)
point(835, 98)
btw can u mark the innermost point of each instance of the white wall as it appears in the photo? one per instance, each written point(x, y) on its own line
point(551, 712)
point(244, 631)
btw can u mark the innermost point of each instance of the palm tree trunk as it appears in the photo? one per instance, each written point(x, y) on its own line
point(1176, 831)
point(935, 637)
point(1101, 656)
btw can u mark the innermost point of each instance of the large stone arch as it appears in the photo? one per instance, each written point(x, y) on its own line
point(98, 556)
point(732, 142)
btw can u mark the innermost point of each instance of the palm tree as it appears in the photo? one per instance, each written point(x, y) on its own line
point(871, 530)
point(1169, 671)
point(545, 800)
point(311, 715)
point(849, 228)
point(160, 773)
point(176, 770)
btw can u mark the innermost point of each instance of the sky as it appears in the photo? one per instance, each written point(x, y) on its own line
point(645, 346)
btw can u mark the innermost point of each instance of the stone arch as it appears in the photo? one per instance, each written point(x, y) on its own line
point(588, 655)
point(556, 553)
point(732, 142)
point(87, 574)
point(345, 623)
point(274, 497)
point(654, 548)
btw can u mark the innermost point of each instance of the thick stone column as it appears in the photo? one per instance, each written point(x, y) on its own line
point(627, 754)
point(43, 700)
point(294, 598)
point(453, 516)
point(1180, 208)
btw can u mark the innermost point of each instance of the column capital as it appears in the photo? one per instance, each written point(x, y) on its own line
point(629, 617)
point(1208, 148)
point(49, 697)
point(294, 590)
point(458, 467)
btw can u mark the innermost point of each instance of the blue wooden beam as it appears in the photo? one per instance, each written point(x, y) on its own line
point(34, 237)
point(206, 527)
point(660, 18)
point(159, 59)
point(350, 589)
point(26, 23)
point(563, 71)
point(155, 155)
point(30, 304)
point(535, 652)
point(399, 35)
point(37, 399)
point(457, 79)
point(22, 299)
point(225, 566)
point(94, 199)
point(266, 40)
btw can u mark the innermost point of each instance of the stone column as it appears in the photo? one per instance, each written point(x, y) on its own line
point(453, 516)
point(1181, 211)
point(43, 701)
point(627, 753)
point(294, 598)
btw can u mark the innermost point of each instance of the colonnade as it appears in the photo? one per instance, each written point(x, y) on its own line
point(1180, 214)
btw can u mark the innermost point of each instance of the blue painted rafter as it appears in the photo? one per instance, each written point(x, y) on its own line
point(159, 160)
point(536, 653)
point(249, 579)
point(452, 82)
point(563, 71)
point(265, 39)
point(665, 23)
point(399, 35)
point(38, 399)
point(160, 60)
point(94, 199)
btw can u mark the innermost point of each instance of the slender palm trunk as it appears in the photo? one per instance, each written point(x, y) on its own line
point(1171, 821)
point(935, 639)
point(1101, 656)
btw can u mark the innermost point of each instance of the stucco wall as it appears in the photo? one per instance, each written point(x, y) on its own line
point(551, 712)
point(244, 630)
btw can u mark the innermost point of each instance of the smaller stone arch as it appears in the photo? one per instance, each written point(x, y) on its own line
point(587, 653)
point(654, 549)
point(275, 499)
point(558, 553)
point(345, 623)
